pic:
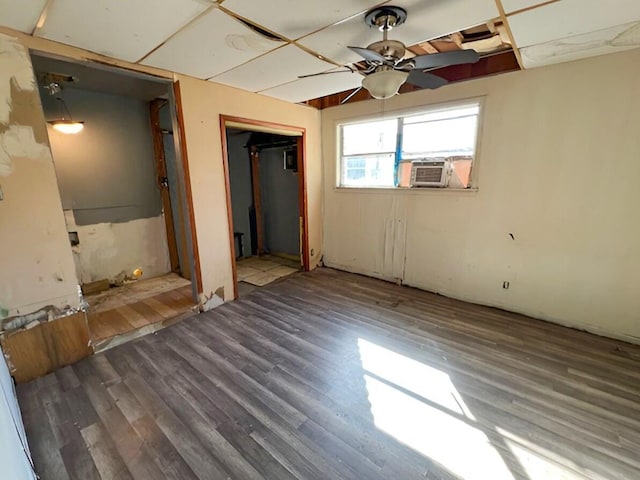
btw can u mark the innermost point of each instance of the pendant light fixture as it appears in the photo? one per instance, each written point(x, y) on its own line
point(65, 124)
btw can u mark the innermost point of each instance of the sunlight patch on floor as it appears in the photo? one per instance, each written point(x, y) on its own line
point(420, 406)
point(538, 462)
point(418, 378)
point(452, 442)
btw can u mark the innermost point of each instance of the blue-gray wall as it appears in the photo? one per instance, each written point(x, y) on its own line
point(279, 203)
point(241, 190)
point(106, 173)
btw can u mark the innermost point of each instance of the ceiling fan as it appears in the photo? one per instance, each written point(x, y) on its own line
point(387, 69)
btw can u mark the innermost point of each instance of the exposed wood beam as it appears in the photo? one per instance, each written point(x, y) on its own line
point(490, 65)
point(254, 154)
point(505, 22)
point(163, 182)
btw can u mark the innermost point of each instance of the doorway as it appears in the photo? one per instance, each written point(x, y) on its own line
point(266, 198)
point(131, 247)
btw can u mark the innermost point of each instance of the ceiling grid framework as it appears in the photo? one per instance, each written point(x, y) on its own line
point(505, 21)
point(264, 46)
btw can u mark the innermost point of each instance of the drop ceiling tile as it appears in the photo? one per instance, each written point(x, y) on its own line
point(425, 21)
point(214, 43)
point(515, 5)
point(23, 17)
point(127, 30)
point(314, 87)
point(275, 68)
point(567, 18)
point(293, 18)
point(601, 42)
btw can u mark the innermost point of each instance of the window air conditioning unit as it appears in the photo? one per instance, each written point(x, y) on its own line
point(431, 172)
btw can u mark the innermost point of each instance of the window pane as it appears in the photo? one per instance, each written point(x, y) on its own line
point(371, 137)
point(440, 138)
point(368, 171)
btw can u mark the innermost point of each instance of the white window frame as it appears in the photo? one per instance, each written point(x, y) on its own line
point(408, 112)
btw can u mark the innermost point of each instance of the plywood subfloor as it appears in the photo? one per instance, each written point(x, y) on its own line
point(328, 375)
point(125, 313)
point(134, 292)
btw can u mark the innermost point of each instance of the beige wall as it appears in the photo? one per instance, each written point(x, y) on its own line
point(203, 103)
point(36, 265)
point(558, 167)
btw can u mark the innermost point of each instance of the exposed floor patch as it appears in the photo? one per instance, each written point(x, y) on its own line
point(133, 292)
point(261, 271)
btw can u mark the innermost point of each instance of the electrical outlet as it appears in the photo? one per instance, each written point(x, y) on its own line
point(505, 285)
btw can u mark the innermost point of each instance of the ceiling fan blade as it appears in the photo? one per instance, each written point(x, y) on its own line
point(369, 55)
point(436, 60)
point(348, 97)
point(425, 80)
point(326, 73)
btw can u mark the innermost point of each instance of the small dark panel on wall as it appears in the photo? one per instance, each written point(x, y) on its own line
point(291, 160)
point(74, 239)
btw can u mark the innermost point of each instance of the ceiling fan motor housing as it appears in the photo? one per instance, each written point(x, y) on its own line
point(389, 49)
point(384, 19)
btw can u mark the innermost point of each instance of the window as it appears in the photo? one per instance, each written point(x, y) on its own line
point(382, 153)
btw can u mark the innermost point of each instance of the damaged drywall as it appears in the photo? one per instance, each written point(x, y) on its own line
point(37, 266)
point(19, 141)
point(107, 181)
point(114, 250)
point(213, 300)
point(17, 86)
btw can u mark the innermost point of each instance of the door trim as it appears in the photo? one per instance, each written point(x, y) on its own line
point(301, 133)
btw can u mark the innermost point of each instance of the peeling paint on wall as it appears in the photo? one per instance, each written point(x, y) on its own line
point(16, 139)
point(16, 67)
point(114, 250)
point(19, 141)
point(213, 300)
point(37, 265)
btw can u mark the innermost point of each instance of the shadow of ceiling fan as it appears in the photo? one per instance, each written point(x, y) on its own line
point(387, 69)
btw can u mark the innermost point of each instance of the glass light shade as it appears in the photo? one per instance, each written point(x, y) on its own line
point(67, 126)
point(384, 84)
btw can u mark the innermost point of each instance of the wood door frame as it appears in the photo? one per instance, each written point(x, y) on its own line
point(161, 179)
point(184, 177)
point(301, 133)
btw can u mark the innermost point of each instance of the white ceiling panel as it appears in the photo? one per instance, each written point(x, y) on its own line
point(515, 5)
point(610, 40)
point(314, 87)
point(21, 17)
point(214, 43)
point(127, 30)
point(567, 18)
point(275, 68)
point(293, 18)
point(426, 20)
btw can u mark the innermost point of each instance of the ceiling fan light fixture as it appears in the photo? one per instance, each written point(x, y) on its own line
point(385, 83)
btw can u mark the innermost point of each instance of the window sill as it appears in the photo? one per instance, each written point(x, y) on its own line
point(408, 191)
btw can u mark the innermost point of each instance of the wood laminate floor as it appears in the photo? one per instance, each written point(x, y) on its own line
point(328, 375)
